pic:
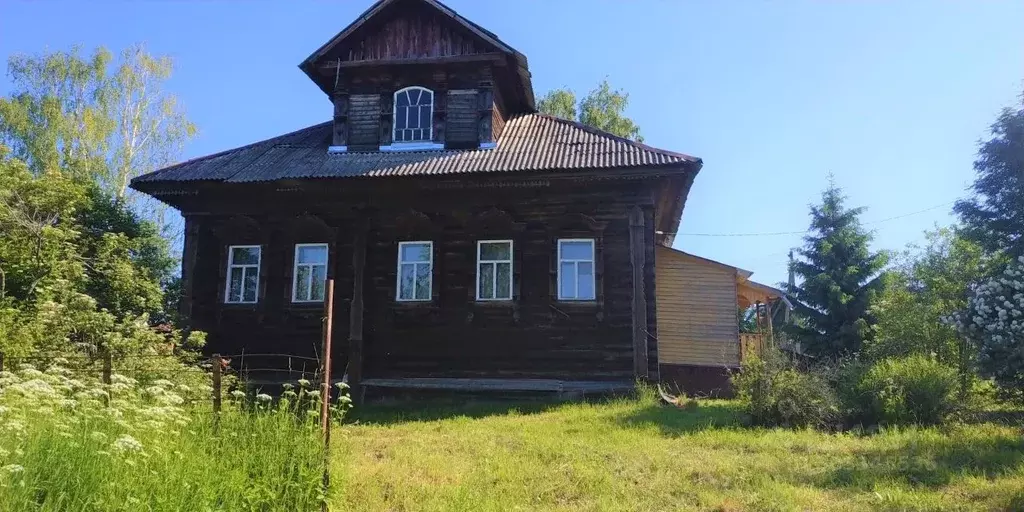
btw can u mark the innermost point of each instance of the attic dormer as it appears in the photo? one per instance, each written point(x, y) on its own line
point(414, 75)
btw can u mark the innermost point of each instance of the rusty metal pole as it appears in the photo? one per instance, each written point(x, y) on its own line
point(325, 392)
point(325, 398)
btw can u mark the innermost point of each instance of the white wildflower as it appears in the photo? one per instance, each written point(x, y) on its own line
point(122, 379)
point(126, 443)
point(263, 397)
point(13, 468)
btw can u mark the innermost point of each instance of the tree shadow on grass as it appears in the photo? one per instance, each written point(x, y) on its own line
point(393, 412)
point(932, 462)
point(675, 421)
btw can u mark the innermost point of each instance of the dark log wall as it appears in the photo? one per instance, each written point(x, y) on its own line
point(420, 32)
point(461, 125)
point(534, 335)
point(364, 118)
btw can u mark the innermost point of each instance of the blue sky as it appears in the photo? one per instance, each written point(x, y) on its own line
point(890, 97)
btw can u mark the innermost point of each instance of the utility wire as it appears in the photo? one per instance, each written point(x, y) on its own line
point(804, 232)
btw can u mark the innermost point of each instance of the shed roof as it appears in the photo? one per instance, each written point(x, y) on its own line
point(529, 142)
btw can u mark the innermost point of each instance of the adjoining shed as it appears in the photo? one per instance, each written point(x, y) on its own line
point(699, 338)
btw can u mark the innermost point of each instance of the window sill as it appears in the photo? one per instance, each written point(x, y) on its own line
point(240, 306)
point(494, 303)
point(306, 304)
point(412, 146)
point(577, 303)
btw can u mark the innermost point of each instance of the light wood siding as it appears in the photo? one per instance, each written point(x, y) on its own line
point(697, 322)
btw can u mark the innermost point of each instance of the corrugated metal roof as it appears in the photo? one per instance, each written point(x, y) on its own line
point(529, 142)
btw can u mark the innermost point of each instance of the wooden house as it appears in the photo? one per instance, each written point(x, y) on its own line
point(474, 242)
point(699, 338)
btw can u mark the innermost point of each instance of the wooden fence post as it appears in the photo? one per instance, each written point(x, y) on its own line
point(108, 364)
point(217, 364)
point(325, 398)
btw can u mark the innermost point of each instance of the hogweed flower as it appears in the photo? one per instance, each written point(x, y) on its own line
point(126, 443)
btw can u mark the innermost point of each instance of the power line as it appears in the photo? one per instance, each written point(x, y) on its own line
point(804, 232)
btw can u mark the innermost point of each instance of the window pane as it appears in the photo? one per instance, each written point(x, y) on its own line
point(319, 282)
point(566, 281)
point(400, 116)
point(415, 252)
point(235, 284)
point(577, 250)
point(490, 251)
point(424, 118)
point(407, 281)
point(302, 282)
point(486, 280)
point(504, 290)
point(402, 100)
point(586, 281)
point(245, 255)
point(427, 98)
point(414, 96)
point(313, 254)
point(252, 279)
point(423, 281)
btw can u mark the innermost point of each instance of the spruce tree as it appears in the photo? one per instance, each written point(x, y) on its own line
point(994, 215)
point(840, 278)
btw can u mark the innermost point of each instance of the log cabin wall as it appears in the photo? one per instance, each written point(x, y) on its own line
point(453, 335)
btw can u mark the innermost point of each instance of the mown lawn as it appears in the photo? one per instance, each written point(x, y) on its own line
point(638, 455)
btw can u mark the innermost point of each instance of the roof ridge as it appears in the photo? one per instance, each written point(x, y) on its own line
point(229, 151)
point(609, 135)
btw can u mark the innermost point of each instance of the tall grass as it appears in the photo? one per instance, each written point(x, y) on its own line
point(74, 444)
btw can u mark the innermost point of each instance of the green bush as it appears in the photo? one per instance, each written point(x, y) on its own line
point(908, 390)
point(774, 393)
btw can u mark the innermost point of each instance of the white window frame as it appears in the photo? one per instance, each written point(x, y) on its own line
point(576, 264)
point(243, 267)
point(494, 264)
point(398, 272)
point(428, 142)
point(309, 284)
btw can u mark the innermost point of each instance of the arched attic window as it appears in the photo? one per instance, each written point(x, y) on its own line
point(414, 115)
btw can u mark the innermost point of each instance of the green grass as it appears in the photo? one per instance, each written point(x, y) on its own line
point(63, 447)
point(638, 455)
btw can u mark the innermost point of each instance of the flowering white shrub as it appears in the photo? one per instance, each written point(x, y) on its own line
point(994, 320)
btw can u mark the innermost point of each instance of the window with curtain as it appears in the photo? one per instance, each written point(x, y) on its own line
point(415, 269)
point(310, 273)
point(494, 270)
point(243, 277)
